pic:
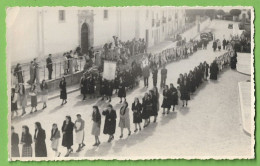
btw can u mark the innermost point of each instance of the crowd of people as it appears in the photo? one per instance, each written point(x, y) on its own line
point(94, 85)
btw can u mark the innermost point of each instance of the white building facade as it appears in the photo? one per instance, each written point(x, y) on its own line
point(36, 32)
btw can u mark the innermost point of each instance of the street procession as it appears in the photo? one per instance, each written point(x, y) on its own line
point(113, 94)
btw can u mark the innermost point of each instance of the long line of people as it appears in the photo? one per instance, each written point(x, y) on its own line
point(142, 111)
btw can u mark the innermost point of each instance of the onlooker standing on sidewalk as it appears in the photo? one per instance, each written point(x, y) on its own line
point(14, 102)
point(49, 66)
point(18, 73)
point(44, 89)
point(33, 93)
point(22, 97)
point(163, 76)
point(224, 43)
point(146, 75)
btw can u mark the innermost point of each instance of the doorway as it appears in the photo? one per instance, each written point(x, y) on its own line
point(84, 38)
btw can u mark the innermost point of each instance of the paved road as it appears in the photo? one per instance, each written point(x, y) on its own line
point(209, 127)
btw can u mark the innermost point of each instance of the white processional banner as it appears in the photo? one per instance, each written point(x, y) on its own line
point(109, 70)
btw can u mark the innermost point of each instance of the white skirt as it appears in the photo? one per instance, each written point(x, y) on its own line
point(80, 137)
point(44, 98)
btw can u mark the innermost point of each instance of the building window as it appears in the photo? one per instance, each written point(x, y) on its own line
point(62, 15)
point(105, 14)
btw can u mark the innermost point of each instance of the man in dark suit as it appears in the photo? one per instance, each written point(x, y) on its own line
point(49, 66)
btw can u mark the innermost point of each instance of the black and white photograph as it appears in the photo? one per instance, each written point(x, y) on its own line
point(130, 83)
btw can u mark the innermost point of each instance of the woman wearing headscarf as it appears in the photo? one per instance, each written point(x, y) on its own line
point(147, 108)
point(26, 141)
point(110, 122)
point(124, 121)
point(173, 96)
point(67, 131)
point(137, 112)
point(39, 139)
point(154, 99)
point(166, 100)
point(96, 118)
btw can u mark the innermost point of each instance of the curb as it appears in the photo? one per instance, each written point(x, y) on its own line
point(247, 132)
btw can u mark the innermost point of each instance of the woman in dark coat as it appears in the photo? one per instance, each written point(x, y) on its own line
point(110, 122)
point(63, 91)
point(26, 140)
point(121, 90)
point(192, 81)
point(103, 88)
point(14, 143)
point(39, 139)
point(166, 99)
point(173, 96)
point(185, 93)
point(154, 99)
point(109, 90)
point(137, 111)
point(96, 118)
point(83, 86)
point(180, 80)
point(91, 86)
point(155, 76)
point(233, 61)
point(67, 131)
point(205, 70)
point(214, 70)
point(147, 108)
point(116, 82)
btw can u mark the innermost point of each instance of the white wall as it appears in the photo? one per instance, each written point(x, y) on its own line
point(60, 36)
point(21, 34)
point(104, 29)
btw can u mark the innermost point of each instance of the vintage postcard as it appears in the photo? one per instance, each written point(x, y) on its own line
point(130, 83)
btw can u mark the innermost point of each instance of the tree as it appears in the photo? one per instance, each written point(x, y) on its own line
point(235, 12)
point(210, 13)
point(221, 12)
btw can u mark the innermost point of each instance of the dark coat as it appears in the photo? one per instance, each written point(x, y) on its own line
point(173, 96)
point(63, 90)
point(185, 93)
point(49, 63)
point(110, 122)
point(147, 108)
point(14, 145)
point(109, 89)
point(83, 86)
point(121, 90)
point(138, 112)
point(91, 86)
point(103, 87)
point(67, 129)
point(214, 71)
point(166, 99)
point(155, 103)
point(40, 145)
